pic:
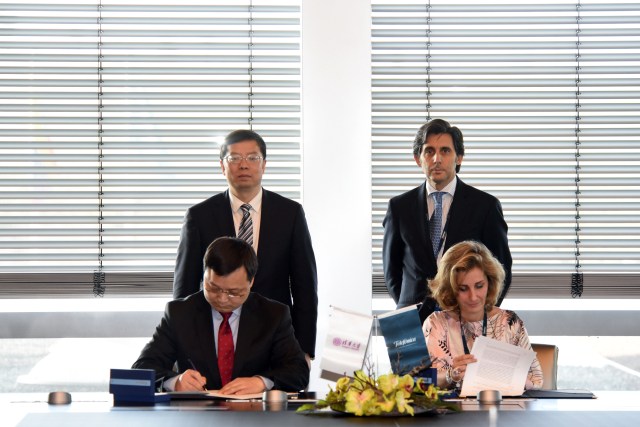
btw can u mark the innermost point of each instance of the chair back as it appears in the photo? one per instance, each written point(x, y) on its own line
point(547, 355)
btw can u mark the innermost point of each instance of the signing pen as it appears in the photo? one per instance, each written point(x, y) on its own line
point(193, 366)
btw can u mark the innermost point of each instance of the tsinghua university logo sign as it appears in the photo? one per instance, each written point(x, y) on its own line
point(348, 344)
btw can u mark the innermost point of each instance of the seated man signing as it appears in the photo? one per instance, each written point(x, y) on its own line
point(225, 337)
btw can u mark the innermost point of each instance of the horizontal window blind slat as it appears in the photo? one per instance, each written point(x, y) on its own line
point(477, 96)
point(413, 7)
point(513, 71)
point(517, 57)
point(21, 285)
point(558, 46)
point(504, 32)
point(504, 107)
point(544, 285)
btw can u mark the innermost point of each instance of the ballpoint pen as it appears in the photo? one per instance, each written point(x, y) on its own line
point(193, 366)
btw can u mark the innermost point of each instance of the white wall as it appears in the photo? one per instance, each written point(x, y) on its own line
point(336, 69)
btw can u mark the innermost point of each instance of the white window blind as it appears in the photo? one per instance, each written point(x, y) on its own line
point(547, 96)
point(109, 113)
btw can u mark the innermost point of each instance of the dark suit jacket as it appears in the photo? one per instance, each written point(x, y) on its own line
point(407, 252)
point(286, 262)
point(265, 344)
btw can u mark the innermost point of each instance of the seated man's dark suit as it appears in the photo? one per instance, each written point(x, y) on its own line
point(407, 251)
point(287, 270)
point(265, 344)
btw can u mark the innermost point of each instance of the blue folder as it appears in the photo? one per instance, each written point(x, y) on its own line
point(134, 386)
point(405, 342)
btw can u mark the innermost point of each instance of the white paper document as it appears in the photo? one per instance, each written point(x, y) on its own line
point(215, 394)
point(500, 366)
point(212, 394)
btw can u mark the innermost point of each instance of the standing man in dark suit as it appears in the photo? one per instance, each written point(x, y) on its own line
point(261, 349)
point(409, 257)
point(279, 231)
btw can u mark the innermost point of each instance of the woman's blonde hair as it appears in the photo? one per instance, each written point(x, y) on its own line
point(461, 258)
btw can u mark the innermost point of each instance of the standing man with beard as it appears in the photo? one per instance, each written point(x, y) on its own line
point(415, 238)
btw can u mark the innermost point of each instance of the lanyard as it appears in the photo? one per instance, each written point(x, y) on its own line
point(464, 339)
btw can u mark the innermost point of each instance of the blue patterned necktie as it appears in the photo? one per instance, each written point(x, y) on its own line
point(435, 223)
point(245, 231)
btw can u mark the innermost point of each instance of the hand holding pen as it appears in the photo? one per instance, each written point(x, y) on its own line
point(191, 380)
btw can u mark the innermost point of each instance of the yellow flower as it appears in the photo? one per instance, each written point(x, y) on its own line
point(360, 403)
point(431, 392)
point(388, 383)
point(406, 385)
point(387, 404)
point(343, 384)
point(403, 403)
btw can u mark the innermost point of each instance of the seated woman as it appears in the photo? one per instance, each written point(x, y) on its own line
point(467, 285)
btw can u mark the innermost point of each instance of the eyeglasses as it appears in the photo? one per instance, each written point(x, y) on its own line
point(236, 158)
point(231, 294)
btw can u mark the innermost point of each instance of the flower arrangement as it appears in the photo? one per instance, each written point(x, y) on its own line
point(365, 395)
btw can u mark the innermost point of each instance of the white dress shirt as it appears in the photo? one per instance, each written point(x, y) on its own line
point(256, 209)
point(447, 199)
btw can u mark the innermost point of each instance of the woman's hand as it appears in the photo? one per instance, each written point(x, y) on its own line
point(459, 367)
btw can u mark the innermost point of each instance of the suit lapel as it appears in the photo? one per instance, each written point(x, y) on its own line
point(456, 214)
point(206, 339)
point(249, 317)
point(266, 225)
point(423, 215)
point(224, 216)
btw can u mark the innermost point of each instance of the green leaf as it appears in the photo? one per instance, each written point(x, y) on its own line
point(307, 407)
